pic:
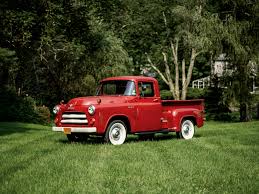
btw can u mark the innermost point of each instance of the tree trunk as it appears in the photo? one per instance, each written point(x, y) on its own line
point(174, 49)
point(244, 112)
point(244, 95)
point(183, 96)
point(171, 85)
point(189, 74)
point(167, 79)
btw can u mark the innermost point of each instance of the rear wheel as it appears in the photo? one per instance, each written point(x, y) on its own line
point(76, 137)
point(187, 129)
point(116, 133)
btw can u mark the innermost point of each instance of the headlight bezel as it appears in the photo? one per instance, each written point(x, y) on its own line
point(91, 109)
point(56, 109)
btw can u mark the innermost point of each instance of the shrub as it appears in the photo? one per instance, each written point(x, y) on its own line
point(196, 93)
point(166, 95)
point(18, 108)
point(234, 117)
point(8, 104)
point(193, 93)
point(26, 109)
point(43, 114)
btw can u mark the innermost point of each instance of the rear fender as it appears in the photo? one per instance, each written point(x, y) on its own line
point(180, 116)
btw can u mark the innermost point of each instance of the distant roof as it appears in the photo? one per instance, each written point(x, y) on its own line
point(129, 78)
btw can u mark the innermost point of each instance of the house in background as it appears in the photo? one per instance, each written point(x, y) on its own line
point(221, 67)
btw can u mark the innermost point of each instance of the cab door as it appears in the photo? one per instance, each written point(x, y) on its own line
point(149, 108)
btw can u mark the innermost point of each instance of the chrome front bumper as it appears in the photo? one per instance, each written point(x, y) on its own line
point(76, 129)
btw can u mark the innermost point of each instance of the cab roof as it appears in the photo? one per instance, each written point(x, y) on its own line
point(131, 78)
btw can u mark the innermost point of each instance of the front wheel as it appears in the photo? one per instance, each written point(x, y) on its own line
point(116, 133)
point(187, 130)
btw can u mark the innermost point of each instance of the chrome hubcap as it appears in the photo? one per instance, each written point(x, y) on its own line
point(186, 129)
point(116, 133)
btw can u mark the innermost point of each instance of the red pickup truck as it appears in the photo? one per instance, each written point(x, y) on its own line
point(127, 105)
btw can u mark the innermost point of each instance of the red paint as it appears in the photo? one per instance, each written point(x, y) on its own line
point(143, 114)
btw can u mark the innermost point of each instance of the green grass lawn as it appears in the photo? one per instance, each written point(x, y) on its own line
point(222, 158)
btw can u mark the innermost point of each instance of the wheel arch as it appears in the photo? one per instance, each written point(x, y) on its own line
point(188, 117)
point(123, 118)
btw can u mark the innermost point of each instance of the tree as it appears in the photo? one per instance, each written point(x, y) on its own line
point(241, 45)
point(197, 32)
point(59, 45)
point(8, 67)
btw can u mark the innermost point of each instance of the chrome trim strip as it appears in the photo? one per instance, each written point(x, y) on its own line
point(74, 116)
point(76, 121)
point(76, 129)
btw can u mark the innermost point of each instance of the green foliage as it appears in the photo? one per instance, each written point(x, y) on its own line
point(8, 66)
point(213, 103)
point(166, 95)
point(42, 115)
point(241, 45)
point(227, 117)
point(196, 93)
point(202, 67)
point(254, 108)
point(54, 50)
point(18, 27)
point(24, 109)
point(216, 106)
point(198, 28)
point(8, 104)
point(7, 57)
point(57, 45)
point(193, 93)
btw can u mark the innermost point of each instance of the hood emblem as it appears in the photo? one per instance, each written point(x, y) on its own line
point(71, 106)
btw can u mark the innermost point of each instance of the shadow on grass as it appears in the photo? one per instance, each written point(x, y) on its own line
point(8, 128)
point(130, 139)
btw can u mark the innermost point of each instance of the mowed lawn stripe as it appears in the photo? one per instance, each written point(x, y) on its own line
point(221, 158)
point(234, 156)
point(20, 160)
point(137, 170)
point(223, 168)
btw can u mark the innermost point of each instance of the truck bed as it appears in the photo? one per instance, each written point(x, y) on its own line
point(183, 103)
point(174, 111)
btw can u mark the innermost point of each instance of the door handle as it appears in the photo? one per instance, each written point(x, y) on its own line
point(155, 100)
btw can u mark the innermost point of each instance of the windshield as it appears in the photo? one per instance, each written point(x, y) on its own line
point(117, 87)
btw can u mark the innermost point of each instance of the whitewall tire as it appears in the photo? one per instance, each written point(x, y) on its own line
point(187, 129)
point(116, 133)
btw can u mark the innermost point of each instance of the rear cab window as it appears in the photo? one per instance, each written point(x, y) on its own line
point(146, 89)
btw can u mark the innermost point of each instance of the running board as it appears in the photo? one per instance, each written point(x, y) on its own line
point(152, 132)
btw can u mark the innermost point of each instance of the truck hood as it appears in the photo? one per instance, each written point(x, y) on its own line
point(86, 101)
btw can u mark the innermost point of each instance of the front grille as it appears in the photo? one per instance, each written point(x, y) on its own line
point(74, 118)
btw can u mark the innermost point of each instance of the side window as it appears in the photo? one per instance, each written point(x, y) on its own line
point(146, 89)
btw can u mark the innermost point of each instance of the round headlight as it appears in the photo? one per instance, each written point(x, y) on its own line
point(91, 109)
point(56, 109)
